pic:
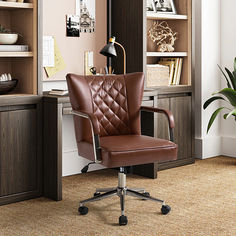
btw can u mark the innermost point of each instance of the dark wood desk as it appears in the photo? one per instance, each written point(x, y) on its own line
point(57, 106)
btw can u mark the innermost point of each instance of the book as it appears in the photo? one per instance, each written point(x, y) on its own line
point(14, 48)
point(171, 66)
point(176, 71)
point(59, 92)
point(179, 71)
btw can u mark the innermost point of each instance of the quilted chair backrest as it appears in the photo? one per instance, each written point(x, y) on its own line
point(114, 99)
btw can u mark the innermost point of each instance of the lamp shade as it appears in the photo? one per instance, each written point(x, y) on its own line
point(109, 50)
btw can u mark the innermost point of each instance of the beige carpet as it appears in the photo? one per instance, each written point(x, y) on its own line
point(202, 197)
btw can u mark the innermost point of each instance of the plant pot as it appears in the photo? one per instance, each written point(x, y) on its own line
point(7, 86)
point(7, 38)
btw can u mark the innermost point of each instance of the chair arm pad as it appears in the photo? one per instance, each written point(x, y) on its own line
point(166, 112)
point(93, 119)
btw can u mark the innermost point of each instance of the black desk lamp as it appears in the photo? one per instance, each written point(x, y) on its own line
point(110, 51)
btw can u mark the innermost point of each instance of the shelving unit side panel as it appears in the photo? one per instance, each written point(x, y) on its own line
point(182, 6)
point(35, 48)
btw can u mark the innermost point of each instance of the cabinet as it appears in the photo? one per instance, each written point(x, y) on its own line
point(129, 22)
point(180, 105)
point(20, 110)
point(20, 152)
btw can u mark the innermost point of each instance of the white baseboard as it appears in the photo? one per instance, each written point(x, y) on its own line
point(208, 147)
point(229, 146)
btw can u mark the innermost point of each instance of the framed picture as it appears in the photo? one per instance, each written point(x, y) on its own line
point(151, 6)
point(165, 6)
point(72, 26)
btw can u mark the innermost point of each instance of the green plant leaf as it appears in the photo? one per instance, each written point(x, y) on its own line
point(225, 115)
point(230, 94)
point(235, 64)
point(228, 83)
point(233, 112)
point(213, 117)
point(210, 100)
point(232, 78)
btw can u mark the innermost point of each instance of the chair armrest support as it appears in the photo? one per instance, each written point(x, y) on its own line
point(95, 133)
point(167, 113)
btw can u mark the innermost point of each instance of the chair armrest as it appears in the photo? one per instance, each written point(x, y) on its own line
point(95, 132)
point(168, 114)
point(91, 117)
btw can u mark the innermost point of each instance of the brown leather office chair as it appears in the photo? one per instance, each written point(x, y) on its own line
point(107, 126)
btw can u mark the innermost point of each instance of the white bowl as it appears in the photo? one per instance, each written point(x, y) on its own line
point(8, 38)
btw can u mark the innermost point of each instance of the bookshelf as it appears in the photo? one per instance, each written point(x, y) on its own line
point(21, 18)
point(130, 29)
point(182, 24)
point(21, 110)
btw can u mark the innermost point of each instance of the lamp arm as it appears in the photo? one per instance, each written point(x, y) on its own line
point(123, 49)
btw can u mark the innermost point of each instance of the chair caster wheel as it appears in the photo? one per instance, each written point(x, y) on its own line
point(146, 194)
point(83, 210)
point(123, 220)
point(165, 209)
point(96, 194)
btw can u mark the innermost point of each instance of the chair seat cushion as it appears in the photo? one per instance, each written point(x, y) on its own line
point(129, 150)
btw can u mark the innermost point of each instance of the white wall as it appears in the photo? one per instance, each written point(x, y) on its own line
point(72, 50)
point(207, 43)
point(228, 53)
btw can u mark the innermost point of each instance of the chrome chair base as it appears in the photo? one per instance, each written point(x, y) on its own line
point(121, 191)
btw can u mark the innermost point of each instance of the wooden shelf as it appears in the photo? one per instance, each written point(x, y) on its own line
point(167, 54)
point(15, 5)
point(158, 16)
point(16, 54)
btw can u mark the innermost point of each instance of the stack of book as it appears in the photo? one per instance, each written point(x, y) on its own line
point(59, 92)
point(175, 66)
point(14, 48)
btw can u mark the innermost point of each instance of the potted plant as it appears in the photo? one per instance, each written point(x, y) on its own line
point(7, 36)
point(228, 95)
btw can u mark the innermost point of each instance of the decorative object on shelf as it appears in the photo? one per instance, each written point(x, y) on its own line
point(163, 36)
point(5, 77)
point(110, 51)
point(87, 16)
point(151, 6)
point(72, 26)
point(229, 96)
point(7, 84)
point(7, 36)
point(158, 75)
point(165, 6)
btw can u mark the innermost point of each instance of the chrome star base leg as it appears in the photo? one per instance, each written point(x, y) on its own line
point(121, 191)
